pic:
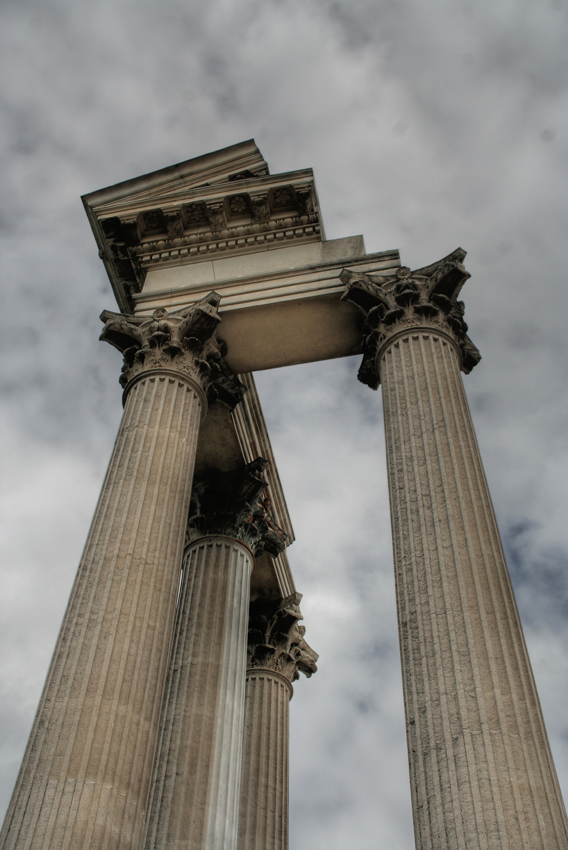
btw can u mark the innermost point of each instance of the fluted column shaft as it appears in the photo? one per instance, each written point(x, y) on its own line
point(263, 815)
point(482, 774)
point(85, 776)
point(277, 653)
point(194, 803)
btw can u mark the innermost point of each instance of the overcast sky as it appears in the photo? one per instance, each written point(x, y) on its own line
point(429, 126)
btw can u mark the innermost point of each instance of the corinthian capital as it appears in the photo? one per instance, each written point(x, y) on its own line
point(182, 341)
point(425, 298)
point(235, 504)
point(276, 640)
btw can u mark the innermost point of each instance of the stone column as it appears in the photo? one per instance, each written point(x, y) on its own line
point(276, 652)
point(481, 770)
point(85, 776)
point(195, 788)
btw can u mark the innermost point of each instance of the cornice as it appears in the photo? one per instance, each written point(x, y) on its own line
point(166, 220)
point(170, 195)
point(217, 166)
point(191, 247)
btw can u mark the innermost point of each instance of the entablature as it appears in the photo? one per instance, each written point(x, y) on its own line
point(180, 216)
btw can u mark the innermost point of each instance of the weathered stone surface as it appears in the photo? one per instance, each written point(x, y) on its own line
point(482, 774)
point(276, 640)
point(277, 651)
point(181, 342)
point(168, 238)
point(235, 503)
point(424, 298)
point(229, 438)
point(195, 788)
point(85, 777)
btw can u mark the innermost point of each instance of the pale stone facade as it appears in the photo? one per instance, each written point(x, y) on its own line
point(158, 728)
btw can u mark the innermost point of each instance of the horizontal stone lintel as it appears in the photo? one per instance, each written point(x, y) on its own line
point(278, 308)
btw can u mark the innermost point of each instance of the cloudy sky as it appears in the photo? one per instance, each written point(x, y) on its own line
point(428, 125)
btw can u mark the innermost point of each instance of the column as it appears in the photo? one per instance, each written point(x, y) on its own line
point(195, 788)
point(481, 770)
point(85, 776)
point(277, 652)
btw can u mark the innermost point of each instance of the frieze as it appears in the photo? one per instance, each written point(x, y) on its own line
point(229, 239)
point(241, 221)
point(425, 298)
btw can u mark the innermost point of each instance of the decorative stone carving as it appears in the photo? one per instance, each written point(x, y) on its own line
point(235, 504)
point(216, 215)
point(174, 224)
point(305, 198)
point(425, 298)
point(260, 206)
point(180, 342)
point(276, 641)
point(122, 236)
point(231, 224)
point(238, 205)
point(277, 652)
point(151, 221)
point(283, 198)
point(195, 215)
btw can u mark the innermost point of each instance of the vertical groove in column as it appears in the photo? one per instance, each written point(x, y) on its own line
point(197, 772)
point(263, 818)
point(481, 770)
point(85, 776)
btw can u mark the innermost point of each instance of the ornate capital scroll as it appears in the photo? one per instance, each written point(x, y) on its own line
point(425, 298)
point(276, 641)
point(235, 504)
point(182, 341)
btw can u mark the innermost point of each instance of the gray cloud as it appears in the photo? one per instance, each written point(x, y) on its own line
point(428, 126)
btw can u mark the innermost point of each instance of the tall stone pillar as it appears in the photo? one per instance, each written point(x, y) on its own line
point(276, 652)
point(85, 777)
point(481, 770)
point(195, 789)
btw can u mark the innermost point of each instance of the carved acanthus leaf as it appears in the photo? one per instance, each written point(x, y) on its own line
point(426, 297)
point(182, 341)
point(235, 504)
point(276, 640)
